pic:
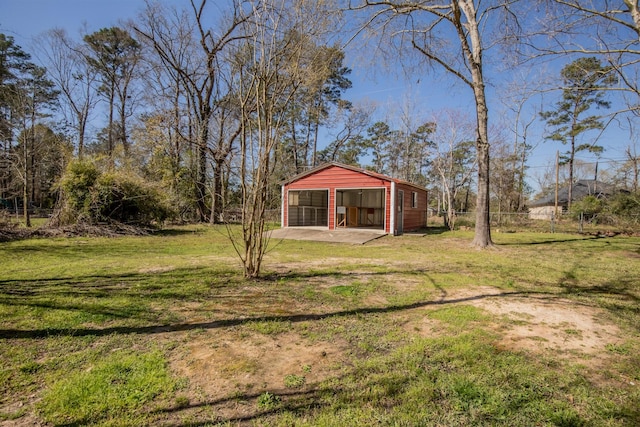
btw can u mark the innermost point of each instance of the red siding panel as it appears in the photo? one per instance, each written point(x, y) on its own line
point(414, 218)
point(336, 177)
point(285, 210)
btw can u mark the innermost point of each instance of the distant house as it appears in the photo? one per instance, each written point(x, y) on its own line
point(335, 196)
point(544, 207)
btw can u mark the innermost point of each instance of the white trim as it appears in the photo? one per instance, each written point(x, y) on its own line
point(333, 226)
point(384, 210)
point(382, 187)
point(309, 189)
point(282, 207)
point(392, 220)
point(400, 226)
point(384, 203)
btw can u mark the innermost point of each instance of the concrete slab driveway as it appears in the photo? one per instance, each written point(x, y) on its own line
point(352, 236)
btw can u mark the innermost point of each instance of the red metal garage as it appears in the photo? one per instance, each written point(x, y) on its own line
point(336, 196)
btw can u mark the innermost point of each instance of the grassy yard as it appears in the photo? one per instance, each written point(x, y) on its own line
point(417, 330)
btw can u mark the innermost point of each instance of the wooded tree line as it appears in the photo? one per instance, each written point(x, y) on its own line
point(213, 105)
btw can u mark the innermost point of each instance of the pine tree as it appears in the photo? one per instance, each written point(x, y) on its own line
point(585, 81)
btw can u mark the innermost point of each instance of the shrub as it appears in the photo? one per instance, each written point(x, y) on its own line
point(589, 207)
point(127, 199)
point(76, 184)
point(625, 205)
point(5, 221)
point(92, 196)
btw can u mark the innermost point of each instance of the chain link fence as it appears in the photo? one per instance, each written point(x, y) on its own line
point(585, 223)
point(500, 221)
point(33, 212)
point(234, 215)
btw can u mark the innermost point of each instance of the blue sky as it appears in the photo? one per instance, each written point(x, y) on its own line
point(24, 19)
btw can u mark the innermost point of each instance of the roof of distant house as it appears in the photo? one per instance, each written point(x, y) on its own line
point(581, 189)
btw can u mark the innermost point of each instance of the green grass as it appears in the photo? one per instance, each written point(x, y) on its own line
point(457, 380)
point(91, 327)
point(461, 317)
point(121, 384)
point(294, 381)
point(269, 327)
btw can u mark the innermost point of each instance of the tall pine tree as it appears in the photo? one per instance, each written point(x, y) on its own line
point(585, 81)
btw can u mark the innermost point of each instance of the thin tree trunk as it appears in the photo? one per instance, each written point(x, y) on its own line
point(294, 147)
point(123, 129)
point(25, 182)
point(570, 163)
point(82, 127)
point(110, 129)
point(216, 197)
point(201, 175)
point(25, 205)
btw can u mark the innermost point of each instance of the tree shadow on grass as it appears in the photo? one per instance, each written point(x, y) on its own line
point(93, 294)
point(176, 232)
point(314, 396)
point(296, 401)
point(149, 298)
point(381, 391)
point(118, 296)
point(225, 323)
point(615, 296)
point(435, 230)
point(552, 241)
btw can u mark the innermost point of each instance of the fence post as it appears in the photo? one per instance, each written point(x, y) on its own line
point(553, 222)
point(581, 221)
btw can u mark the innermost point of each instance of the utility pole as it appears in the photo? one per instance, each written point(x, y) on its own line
point(557, 178)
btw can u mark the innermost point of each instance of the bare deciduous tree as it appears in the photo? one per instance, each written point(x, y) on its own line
point(74, 77)
point(516, 98)
point(273, 67)
point(195, 62)
point(448, 33)
point(629, 171)
point(606, 29)
point(453, 161)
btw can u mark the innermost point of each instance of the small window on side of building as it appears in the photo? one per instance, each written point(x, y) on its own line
point(414, 199)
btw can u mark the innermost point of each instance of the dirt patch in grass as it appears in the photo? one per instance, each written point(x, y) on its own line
point(28, 420)
point(228, 371)
point(559, 325)
point(156, 269)
point(539, 323)
point(635, 255)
